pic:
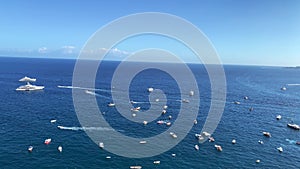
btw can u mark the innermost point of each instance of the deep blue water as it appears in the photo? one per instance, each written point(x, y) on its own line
point(25, 118)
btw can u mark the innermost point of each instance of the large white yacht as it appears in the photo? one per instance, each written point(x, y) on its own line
point(28, 86)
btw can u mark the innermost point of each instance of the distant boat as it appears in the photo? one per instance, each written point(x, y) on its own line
point(260, 142)
point(233, 141)
point(218, 147)
point(59, 148)
point(294, 126)
point(101, 145)
point(135, 167)
point(246, 97)
point(150, 89)
point(173, 135)
point(280, 149)
point(211, 139)
point(165, 107)
point(236, 102)
point(52, 121)
point(27, 79)
point(156, 162)
point(283, 88)
point(30, 148)
point(185, 101)
point(278, 117)
point(111, 104)
point(192, 93)
point(47, 141)
point(267, 134)
point(196, 147)
point(143, 142)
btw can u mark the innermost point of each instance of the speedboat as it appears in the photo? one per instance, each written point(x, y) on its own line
point(52, 121)
point(150, 89)
point(246, 97)
point(165, 107)
point(29, 87)
point(111, 104)
point(136, 109)
point(47, 141)
point(30, 148)
point(199, 137)
point(135, 167)
point(278, 117)
point(196, 147)
point(236, 102)
point(59, 148)
point(143, 142)
point(164, 111)
point(283, 88)
point(156, 162)
point(27, 79)
point(267, 134)
point(218, 147)
point(280, 149)
point(173, 135)
point(294, 126)
point(233, 141)
point(101, 145)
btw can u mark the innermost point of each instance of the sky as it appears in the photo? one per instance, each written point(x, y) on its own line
point(245, 32)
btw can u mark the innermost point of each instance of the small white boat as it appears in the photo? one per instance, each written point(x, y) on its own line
point(236, 102)
point(233, 141)
point(145, 122)
point(246, 98)
point(163, 111)
point(168, 123)
point(52, 121)
point(101, 145)
point(280, 149)
point(156, 162)
point(257, 161)
point(260, 142)
point(192, 93)
point(29, 87)
point(196, 147)
point(160, 122)
point(59, 148)
point(157, 100)
point(30, 148)
point(218, 147)
point(136, 167)
point(173, 155)
point(27, 79)
point(185, 101)
point(111, 104)
point(143, 142)
point(108, 157)
point(283, 88)
point(47, 141)
point(294, 126)
point(195, 122)
point(211, 139)
point(199, 137)
point(136, 109)
point(133, 114)
point(267, 134)
point(150, 89)
point(165, 107)
point(206, 134)
point(278, 117)
point(173, 135)
point(169, 117)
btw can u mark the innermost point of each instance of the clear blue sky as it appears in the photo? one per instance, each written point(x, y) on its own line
point(259, 32)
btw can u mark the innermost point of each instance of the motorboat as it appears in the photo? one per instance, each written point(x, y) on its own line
point(108, 157)
point(145, 122)
point(199, 137)
point(111, 104)
point(143, 142)
point(246, 97)
point(294, 126)
point(173, 135)
point(206, 134)
point(267, 134)
point(150, 89)
point(168, 123)
point(30, 148)
point(218, 147)
point(211, 139)
point(160, 122)
point(165, 107)
point(136, 109)
point(59, 148)
point(196, 147)
point(195, 122)
point(192, 93)
point(47, 141)
point(163, 111)
point(27, 79)
point(278, 117)
point(283, 88)
point(233, 141)
point(29, 87)
point(280, 149)
point(52, 121)
point(185, 101)
point(156, 162)
point(101, 145)
point(135, 167)
point(236, 102)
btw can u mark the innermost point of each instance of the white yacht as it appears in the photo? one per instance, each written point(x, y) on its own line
point(28, 86)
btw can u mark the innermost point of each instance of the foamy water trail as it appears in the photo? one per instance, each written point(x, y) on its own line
point(294, 84)
point(82, 88)
point(85, 128)
point(291, 141)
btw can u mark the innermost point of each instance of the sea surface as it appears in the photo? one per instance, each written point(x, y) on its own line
point(25, 118)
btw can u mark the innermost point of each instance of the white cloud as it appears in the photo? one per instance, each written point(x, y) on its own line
point(68, 49)
point(43, 50)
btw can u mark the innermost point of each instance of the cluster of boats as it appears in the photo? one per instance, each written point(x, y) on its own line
point(28, 86)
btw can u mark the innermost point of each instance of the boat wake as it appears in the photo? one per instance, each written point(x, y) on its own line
point(85, 128)
point(291, 141)
point(295, 84)
point(82, 88)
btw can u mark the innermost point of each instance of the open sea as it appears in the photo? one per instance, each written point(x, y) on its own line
point(25, 118)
